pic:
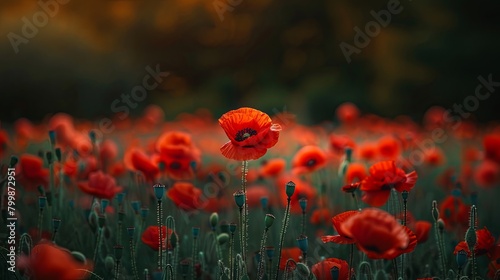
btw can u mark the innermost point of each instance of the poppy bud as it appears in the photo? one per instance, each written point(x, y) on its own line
point(136, 205)
point(435, 212)
point(290, 189)
point(303, 243)
point(461, 258)
point(159, 190)
point(440, 224)
point(404, 195)
point(303, 270)
point(214, 220)
point(173, 240)
point(269, 220)
point(471, 238)
point(109, 263)
point(232, 227)
point(49, 157)
point(56, 223)
point(13, 161)
point(79, 257)
point(93, 136)
point(58, 154)
point(264, 201)
point(195, 231)
point(52, 137)
point(130, 232)
point(303, 204)
point(222, 238)
point(239, 198)
point(118, 251)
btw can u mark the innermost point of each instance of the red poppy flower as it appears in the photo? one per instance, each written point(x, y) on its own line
point(151, 236)
point(108, 151)
point(367, 151)
point(350, 188)
point(339, 143)
point(494, 264)
point(50, 262)
point(4, 141)
point(178, 154)
point(250, 132)
point(485, 243)
point(323, 269)
point(383, 177)
point(487, 174)
point(454, 212)
point(32, 174)
point(342, 237)
point(255, 194)
point(356, 172)
point(308, 159)
point(136, 159)
point(185, 196)
point(100, 185)
point(491, 143)
point(272, 168)
point(433, 157)
point(422, 229)
point(320, 216)
point(289, 253)
point(377, 233)
point(347, 112)
point(389, 147)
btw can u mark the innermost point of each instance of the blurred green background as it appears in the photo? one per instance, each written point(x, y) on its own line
point(262, 53)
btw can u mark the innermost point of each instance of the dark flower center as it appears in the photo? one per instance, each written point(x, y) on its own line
point(243, 134)
point(311, 162)
point(175, 165)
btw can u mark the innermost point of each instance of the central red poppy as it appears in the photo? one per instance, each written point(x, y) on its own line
point(250, 134)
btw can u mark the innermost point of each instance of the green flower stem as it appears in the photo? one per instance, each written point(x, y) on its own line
point(282, 236)
point(40, 224)
point(97, 245)
point(244, 229)
point(193, 257)
point(260, 271)
point(132, 258)
point(231, 262)
point(160, 240)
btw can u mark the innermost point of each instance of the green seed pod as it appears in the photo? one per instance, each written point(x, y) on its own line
point(214, 220)
point(269, 220)
point(223, 238)
point(435, 212)
point(471, 238)
point(290, 189)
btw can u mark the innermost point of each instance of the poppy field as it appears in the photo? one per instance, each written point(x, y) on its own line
point(250, 195)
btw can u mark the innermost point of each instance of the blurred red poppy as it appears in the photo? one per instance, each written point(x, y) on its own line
point(178, 154)
point(108, 151)
point(389, 148)
point(255, 194)
point(136, 159)
point(485, 243)
point(250, 132)
point(491, 144)
point(487, 174)
point(356, 172)
point(347, 113)
point(422, 229)
point(342, 237)
point(31, 172)
point(433, 157)
point(367, 151)
point(454, 212)
point(185, 196)
point(327, 268)
point(383, 177)
point(100, 185)
point(320, 216)
point(377, 233)
point(4, 142)
point(308, 159)
point(289, 253)
point(272, 168)
point(151, 236)
point(50, 262)
point(339, 143)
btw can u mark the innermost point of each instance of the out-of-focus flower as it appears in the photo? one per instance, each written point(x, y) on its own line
point(185, 196)
point(178, 154)
point(356, 172)
point(272, 168)
point(329, 267)
point(367, 151)
point(289, 253)
point(100, 185)
point(485, 243)
point(454, 212)
point(250, 134)
point(433, 157)
point(50, 262)
point(487, 174)
point(383, 177)
point(320, 216)
point(308, 159)
point(389, 148)
point(491, 144)
point(347, 113)
point(151, 237)
point(339, 143)
point(31, 172)
point(136, 159)
point(422, 229)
